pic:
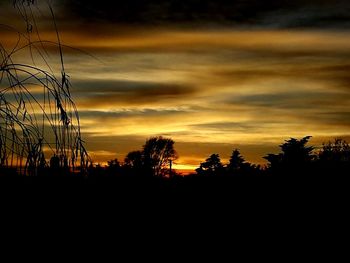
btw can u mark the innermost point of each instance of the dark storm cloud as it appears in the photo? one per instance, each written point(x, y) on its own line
point(270, 13)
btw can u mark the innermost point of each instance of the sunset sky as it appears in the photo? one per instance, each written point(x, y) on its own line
point(212, 75)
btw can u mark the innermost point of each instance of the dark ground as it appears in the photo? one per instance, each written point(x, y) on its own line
point(193, 214)
point(269, 189)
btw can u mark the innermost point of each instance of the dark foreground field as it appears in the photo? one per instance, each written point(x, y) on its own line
point(144, 189)
point(185, 210)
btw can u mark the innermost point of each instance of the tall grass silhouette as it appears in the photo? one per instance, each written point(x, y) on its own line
point(39, 120)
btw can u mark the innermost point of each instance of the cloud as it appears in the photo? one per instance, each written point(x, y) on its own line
point(339, 119)
point(266, 42)
point(109, 93)
point(129, 113)
point(334, 74)
point(269, 13)
point(211, 89)
point(238, 127)
point(300, 100)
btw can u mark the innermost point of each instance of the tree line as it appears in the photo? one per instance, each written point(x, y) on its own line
point(296, 158)
point(156, 158)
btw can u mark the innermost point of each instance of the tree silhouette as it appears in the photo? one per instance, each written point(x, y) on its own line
point(113, 167)
point(236, 161)
point(211, 166)
point(239, 166)
point(334, 158)
point(134, 160)
point(158, 152)
point(295, 156)
point(337, 151)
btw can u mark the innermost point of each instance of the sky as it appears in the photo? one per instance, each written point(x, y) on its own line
point(212, 75)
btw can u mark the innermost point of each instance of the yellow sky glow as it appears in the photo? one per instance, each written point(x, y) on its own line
point(212, 90)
